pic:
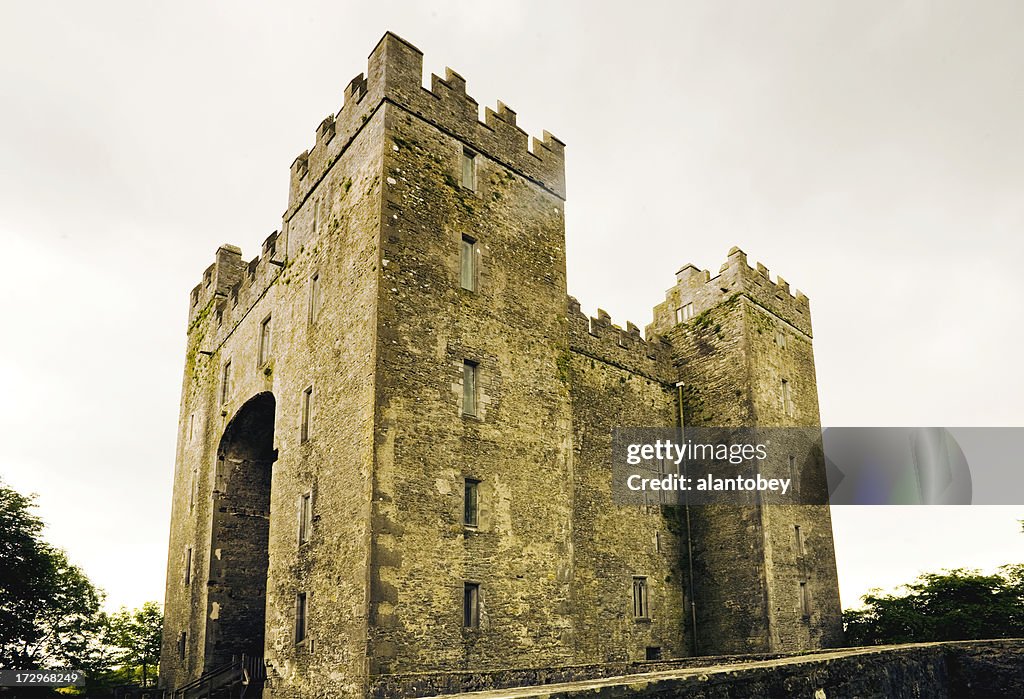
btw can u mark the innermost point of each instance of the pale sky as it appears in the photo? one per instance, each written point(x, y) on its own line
point(869, 152)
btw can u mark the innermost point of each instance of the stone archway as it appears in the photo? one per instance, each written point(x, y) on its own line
point(239, 556)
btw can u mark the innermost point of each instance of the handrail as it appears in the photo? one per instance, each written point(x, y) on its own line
point(245, 669)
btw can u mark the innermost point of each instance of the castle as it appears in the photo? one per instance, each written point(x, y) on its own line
point(395, 431)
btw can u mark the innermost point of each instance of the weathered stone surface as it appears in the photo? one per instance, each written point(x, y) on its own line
point(355, 399)
point(958, 670)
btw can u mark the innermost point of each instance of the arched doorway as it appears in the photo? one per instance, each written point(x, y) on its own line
point(236, 600)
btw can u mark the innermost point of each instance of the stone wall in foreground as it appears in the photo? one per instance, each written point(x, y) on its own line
point(962, 669)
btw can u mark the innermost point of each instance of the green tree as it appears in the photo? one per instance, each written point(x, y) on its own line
point(134, 637)
point(946, 606)
point(49, 611)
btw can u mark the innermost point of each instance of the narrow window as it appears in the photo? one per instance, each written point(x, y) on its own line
point(469, 377)
point(805, 600)
point(182, 642)
point(314, 297)
point(467, 264)
point(192, 488)
point(684, 313)
point(468, 169)
point(264, 341)
point(787, 398)
point(799, 538)
point(188, 565)
point(191, 426)
point(305, 517)
point(640, 610)
point(780, 338)
point(225, 383)
point(316, 216)
point(307, 414)
point(470, 510)
point(301, 610)
point(471, 606)
point(794, 476)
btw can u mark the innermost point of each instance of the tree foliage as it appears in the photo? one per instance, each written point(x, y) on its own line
point(134, 636)
point(51, 616)
point(49, 611)
point(950, 605)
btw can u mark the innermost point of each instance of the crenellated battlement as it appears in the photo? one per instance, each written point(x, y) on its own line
point(697, 287)
point(601, 339)
point(234, 285)
point(395, 75)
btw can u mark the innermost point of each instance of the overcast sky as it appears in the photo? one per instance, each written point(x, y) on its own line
point(869, 152)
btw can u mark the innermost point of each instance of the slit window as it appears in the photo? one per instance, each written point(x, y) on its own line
point(640, 609)
point(314, 297)
point(787, 398)
point(305, 429)
point(468, 169)
point(188, 565)
point(225, 383)
point(470, 371)
point(799, 540)
point(301, 616)
point(182, 642)
point(305, 517)
point(470, 511)
point(264, 341)
point(467, 263)
point(805, 599)
point(471, 605)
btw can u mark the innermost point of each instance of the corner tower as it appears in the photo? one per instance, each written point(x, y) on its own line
point(764, 575)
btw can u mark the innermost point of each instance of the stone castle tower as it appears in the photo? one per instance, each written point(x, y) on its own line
point(395, 429)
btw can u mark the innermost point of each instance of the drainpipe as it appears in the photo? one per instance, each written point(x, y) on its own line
point(689, 538)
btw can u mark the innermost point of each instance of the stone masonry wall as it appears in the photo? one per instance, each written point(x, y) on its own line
point(612, 374)
point(516, 446)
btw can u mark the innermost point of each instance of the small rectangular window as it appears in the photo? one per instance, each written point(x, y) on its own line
point(470, 513)
point(188, 565)
point(799, 539)
point(264, 353)
point(182, 642)
point(467, 264)
point(653, 653)
point(471, 606)
point(787, 398)
point(305, 517)
point(640, 610)
point(307, 415)
point(470, 370)
point(301, 614)
point(805, 600)
point(314, 297)
point(468, 169)
point(225, 383)
point(193, 488)
point(780, 338)
point(684, 313)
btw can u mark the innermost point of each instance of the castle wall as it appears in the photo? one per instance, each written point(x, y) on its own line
point(334, 353)
point(744, 337)
point(516, 446)
point(614, 379)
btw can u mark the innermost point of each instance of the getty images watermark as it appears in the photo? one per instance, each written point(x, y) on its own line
point(815, 466)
